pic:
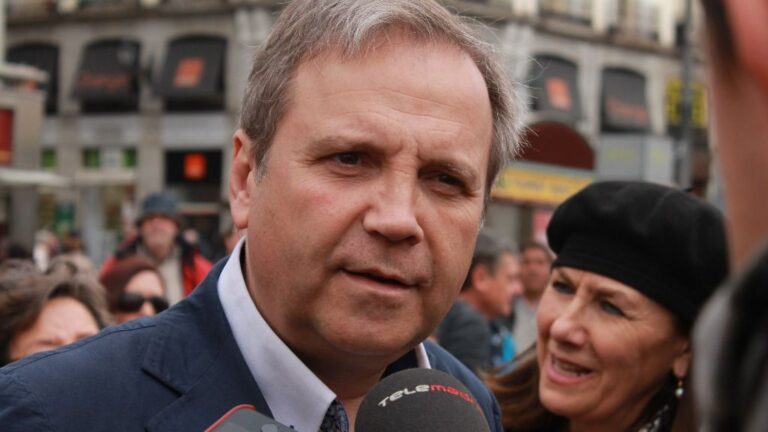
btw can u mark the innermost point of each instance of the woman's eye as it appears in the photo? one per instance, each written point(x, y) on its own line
point(347, 158)
point(562, 288)
point(610, 308)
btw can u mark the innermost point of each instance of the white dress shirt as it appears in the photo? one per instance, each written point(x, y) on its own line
point(294, 394)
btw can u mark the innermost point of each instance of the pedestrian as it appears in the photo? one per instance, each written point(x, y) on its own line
point(134, 288)
point(160, 241)
point(468, 330)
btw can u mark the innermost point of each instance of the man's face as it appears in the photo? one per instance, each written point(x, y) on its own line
point(508, 279)
point(534, 271)
point(361, 231)
point(158, 232)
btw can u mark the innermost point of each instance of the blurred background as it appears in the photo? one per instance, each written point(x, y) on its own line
point(103, 102)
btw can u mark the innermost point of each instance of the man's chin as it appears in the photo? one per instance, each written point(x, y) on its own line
point(374, 345)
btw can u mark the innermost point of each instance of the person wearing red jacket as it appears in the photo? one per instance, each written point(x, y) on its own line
point(159, 240)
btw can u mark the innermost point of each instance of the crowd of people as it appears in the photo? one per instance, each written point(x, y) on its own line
point(49, 299)
point(360, 187)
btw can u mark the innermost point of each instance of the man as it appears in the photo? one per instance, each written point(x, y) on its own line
point(535, 263)
point(729, 339)
point(361, 185)
point(469, 331)
point(159, 240)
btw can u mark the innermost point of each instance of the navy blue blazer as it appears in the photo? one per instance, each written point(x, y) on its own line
point(178, 371)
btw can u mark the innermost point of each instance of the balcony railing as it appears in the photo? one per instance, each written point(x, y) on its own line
point(578, 11)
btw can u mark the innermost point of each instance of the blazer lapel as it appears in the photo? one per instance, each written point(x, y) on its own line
point(196, 355)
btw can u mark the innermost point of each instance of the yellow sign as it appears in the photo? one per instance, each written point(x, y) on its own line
point(674, 99)
point(538, 186)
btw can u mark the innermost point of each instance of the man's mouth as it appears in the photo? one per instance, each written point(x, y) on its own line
point(391, 280)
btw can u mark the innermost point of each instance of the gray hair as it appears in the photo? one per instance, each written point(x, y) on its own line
point(308, 28)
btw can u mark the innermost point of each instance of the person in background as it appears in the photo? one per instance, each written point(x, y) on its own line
point(508, 272)
point(73, 251)
point(46, 247)
point(15, 268)
point(468, 330)
point(134, 289)
point(730, 337)
point(535, 262)
point(230, 235)
point(41, 312)
point(613, 350)
point(160, 241)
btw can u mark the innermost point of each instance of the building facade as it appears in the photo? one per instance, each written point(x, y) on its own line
point(144, 96)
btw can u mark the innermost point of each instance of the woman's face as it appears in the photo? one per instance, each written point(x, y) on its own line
point(603, 350)
point(146, 284)
point(62, 321)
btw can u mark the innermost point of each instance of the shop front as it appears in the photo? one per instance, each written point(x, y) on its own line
point(556, 162)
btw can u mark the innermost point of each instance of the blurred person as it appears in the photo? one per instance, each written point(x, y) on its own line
point(160, 241)
point(134, 289)
point(45, 248)
point(230, 236)
point(42, 312)
point(508, 273)
point(73, 251)
point(731, 333)
point(362, 187)
point(613, 349)
point(468, 330)
point(535, 262)
point(14, 268)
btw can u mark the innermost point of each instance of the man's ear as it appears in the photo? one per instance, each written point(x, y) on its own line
point(240, 178)
point(480, 274)
point(747, 21)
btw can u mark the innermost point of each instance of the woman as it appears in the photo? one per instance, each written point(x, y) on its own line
point(42, 312)
point(636, 261)
point(135, 289)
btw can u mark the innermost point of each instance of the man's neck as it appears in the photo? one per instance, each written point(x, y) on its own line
point(350, 382)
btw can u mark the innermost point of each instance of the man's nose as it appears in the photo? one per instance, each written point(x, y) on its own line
point(392, 212)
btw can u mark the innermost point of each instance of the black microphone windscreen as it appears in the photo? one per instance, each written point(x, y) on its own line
point(420, 400)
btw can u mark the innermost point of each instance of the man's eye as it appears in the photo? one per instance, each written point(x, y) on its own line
point(450, 180)
point(347, 158)
point(562, 287)
point(610, 308)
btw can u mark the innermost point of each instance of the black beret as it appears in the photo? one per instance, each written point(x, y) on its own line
point(663, 242)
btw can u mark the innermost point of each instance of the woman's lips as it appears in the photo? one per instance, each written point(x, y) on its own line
point(562, 372)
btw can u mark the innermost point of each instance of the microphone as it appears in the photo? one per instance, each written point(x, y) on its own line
point(420, 400)
point(245, 418)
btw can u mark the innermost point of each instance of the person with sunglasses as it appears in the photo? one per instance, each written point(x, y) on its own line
point(135, 289)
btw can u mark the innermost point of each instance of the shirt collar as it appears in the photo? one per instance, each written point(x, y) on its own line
point(294, 394)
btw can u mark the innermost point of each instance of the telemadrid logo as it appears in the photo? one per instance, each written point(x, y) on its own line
point(426, 388)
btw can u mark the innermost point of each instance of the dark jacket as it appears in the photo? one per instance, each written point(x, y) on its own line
point(177, 371)
point(465, 333)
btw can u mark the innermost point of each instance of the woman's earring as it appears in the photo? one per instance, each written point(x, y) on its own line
point(679, 390)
